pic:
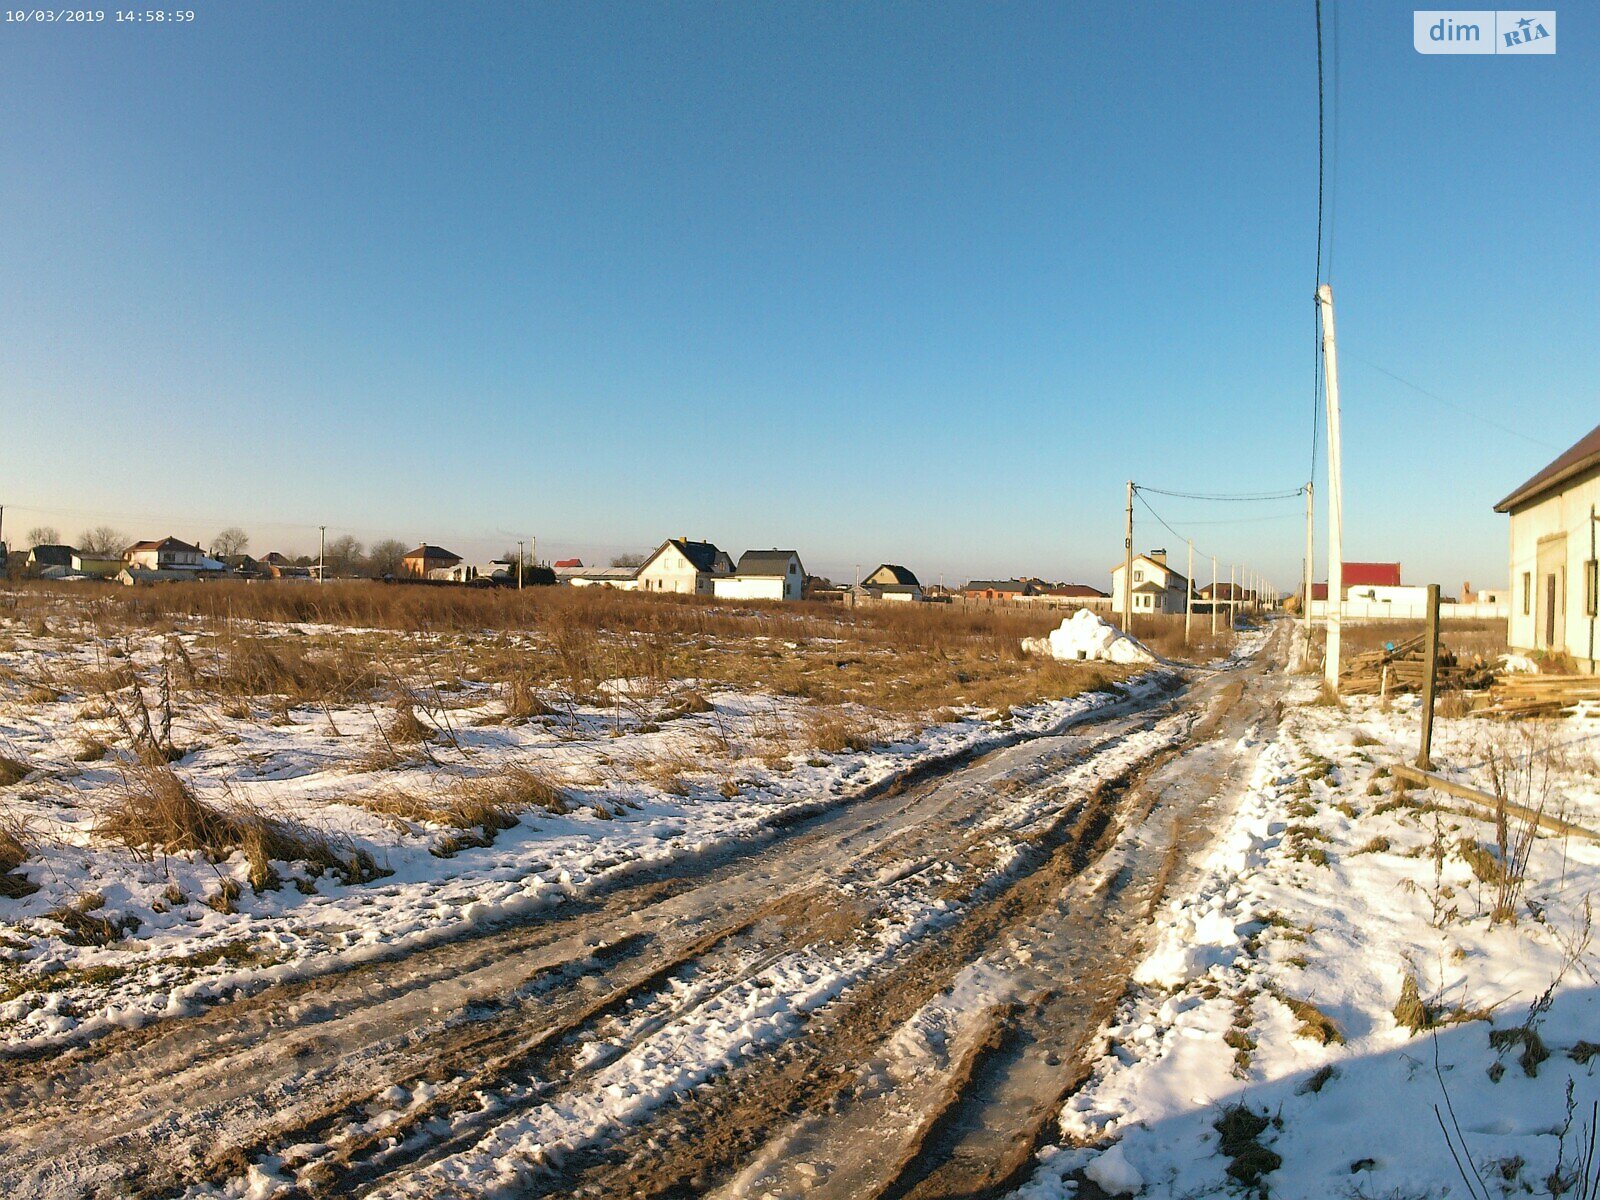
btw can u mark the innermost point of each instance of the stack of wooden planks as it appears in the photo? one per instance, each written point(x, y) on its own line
point(1523, 694)
point(1406, 666)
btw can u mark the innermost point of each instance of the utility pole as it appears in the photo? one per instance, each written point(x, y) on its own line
point(1213, 595)
point(1430, 649)
point(1127, 568)
point(521, 571)
point(1233, 597)
point(1330, 364)
point(1188, 595)
point(1310, 566)
point(322, 554)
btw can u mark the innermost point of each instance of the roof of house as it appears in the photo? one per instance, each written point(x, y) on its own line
point(900, 574)
point(429, 551)
point(897, 589)
point(997, 585)
point(1371, 574)
point(766, 562)
point(701, 555)
point(276, 559)
point(1082, 590)
point(167, 543)
point(566, 562)
point(53, 555)
point(1148, 587)
point(1154, 562)
point(1582, 456)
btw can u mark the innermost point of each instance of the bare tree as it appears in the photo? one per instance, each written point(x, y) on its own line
point(102, 539)
point(231, 540)
point(627, 560)
point(44, 535)
point(384, 557)
point(341, 555)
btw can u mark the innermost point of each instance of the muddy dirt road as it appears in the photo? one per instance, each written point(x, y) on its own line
point(888, 998)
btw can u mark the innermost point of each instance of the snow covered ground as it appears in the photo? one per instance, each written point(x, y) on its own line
point(646, 782)
point(1259, 1046)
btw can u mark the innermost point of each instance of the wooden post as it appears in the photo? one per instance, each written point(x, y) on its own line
point(1127, 568)
point(1213, 605)
point(1430, 673)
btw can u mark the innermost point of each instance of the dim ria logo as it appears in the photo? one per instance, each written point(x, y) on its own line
point(1484, 31)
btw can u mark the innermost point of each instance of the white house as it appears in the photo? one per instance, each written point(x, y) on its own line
point(624, 579)
point(763, 575)
point(679, 565)
point(1555, 594)
point(1157, 588)
point(169, 554)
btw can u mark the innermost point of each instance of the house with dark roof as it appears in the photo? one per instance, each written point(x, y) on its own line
point(891, 581)
point(41, 557)
point(763, 575)
point(1555, 583)
point(426, 559)
point(998, 589)
point(683, 566)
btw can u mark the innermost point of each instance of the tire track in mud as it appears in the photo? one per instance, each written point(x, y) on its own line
point(276, 1050)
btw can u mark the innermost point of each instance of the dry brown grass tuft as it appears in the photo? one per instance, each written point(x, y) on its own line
point(475, 809)
point(12, 770)
point(157, 812)
point(15, 847)
point(836, 732)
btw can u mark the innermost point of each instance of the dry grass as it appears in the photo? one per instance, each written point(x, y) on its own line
point(156, 812)
point(475, 809)
point(554, 646)
point(12, 770)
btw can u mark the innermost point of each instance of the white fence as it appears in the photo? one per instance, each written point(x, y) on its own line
point(1383, 610)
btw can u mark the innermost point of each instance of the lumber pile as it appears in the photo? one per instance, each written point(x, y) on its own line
point(1523, 694)
point(1406, 665)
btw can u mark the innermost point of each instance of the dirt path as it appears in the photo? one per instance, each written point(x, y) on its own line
point(714, 1028)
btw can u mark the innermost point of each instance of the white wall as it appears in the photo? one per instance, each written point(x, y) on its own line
point(670, 571)
point(1368, 610)
point(1566, 512)
point(750, 587)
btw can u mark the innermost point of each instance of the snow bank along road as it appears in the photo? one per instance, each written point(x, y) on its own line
point(886, 999)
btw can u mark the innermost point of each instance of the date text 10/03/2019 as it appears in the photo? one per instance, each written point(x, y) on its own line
point(94, 16)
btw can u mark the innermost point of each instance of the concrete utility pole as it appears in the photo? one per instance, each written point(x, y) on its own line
point(322, 554)
point(1188, 595)
point(1330, 363)
point(1233, 596)
point(521, 571)
point(1310, 567)
point(1127, 568)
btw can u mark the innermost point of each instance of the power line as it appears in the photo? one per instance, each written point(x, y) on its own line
point(1450, 404)
point(1227, 497)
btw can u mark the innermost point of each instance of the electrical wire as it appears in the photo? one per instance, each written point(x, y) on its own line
point(1226, 497)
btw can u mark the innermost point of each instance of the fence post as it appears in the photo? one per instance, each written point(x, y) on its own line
point(1430, 672)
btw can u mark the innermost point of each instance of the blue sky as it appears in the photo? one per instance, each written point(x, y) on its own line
point(917, 282)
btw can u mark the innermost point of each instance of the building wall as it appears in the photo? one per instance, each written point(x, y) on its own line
point(751, 587)
point(1369, 610)
point(1152, 573)
point(670, 571)
point(1566, 512)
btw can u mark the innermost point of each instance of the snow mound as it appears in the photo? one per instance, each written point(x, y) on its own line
point(1518, 663)
point(1085, 636)
point(1113, 1174)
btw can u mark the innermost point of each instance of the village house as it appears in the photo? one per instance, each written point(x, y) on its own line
point(170, 554)
point(422, 562)
point(624, 579)
point(1073, 595)
point(1555, 591)
point(892, 582)
point(1157, 587)
point(998, 589)
point(763, 575)
point(682, 566)
point(95, 566)
point(43, 557)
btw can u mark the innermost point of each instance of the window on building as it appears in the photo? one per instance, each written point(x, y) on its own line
point(1138, 576)
point(1527, 593)
point(1591, 588)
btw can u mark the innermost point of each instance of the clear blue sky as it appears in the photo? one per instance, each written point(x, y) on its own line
point(917, 282)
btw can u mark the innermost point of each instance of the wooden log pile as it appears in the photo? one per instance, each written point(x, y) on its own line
point(1406, 665)
point(1524, 694)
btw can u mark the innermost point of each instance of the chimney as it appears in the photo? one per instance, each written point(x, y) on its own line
point(1466, 593)
point(1159, 555)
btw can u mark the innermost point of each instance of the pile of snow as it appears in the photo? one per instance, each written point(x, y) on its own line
point(1085, 636)
point(1113, 1174)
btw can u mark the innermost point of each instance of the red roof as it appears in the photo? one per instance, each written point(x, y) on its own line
point(568, 562)
point(1371, 574)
